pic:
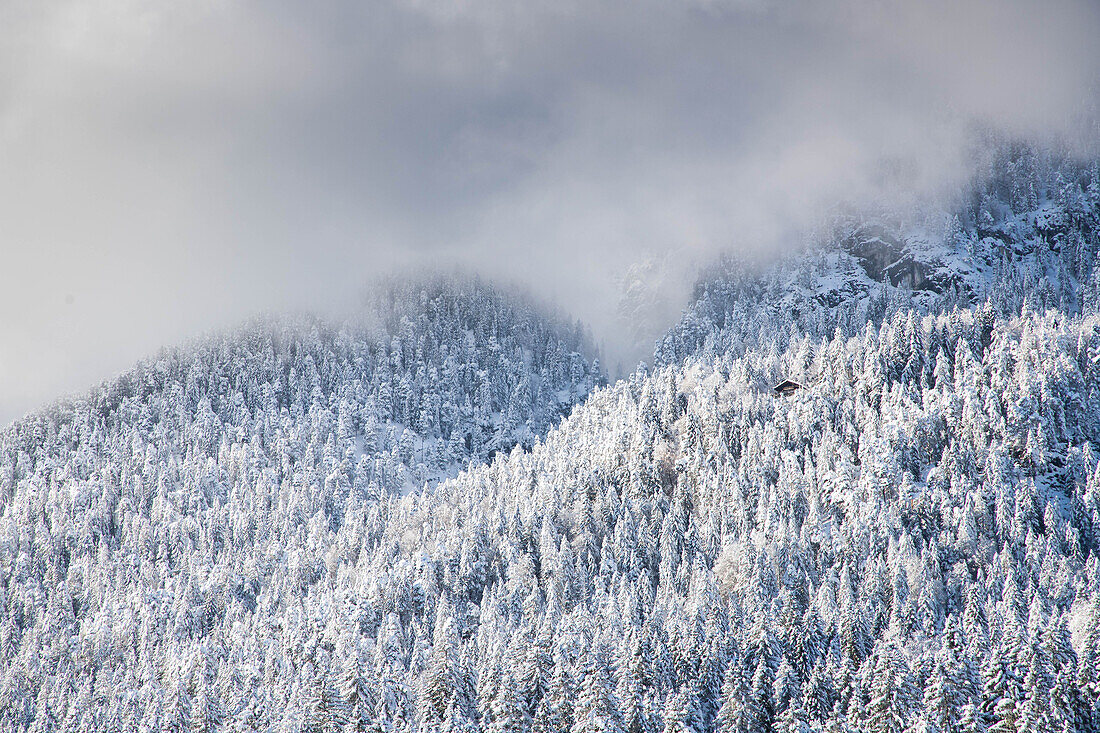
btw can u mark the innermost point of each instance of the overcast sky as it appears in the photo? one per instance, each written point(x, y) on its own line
point(168, 168)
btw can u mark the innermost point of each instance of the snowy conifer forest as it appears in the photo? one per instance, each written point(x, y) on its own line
point(439, 516)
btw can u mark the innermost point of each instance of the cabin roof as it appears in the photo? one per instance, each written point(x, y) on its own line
point(787, 385)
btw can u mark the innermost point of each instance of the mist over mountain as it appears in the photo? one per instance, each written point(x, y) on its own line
point(172, 168)
point(767, 399)
point(433, 516)
point(1025, 234)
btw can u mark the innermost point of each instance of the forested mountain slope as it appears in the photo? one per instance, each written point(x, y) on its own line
point(909, 542)
point(174, 497)
point(1029, 228)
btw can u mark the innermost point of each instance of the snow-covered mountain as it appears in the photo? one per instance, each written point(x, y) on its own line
point(179, 497)
point(1028, 229)
point(911, 541)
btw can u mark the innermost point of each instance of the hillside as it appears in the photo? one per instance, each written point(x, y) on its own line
point(1027, 229)
point(910, 542)
point(173, 501)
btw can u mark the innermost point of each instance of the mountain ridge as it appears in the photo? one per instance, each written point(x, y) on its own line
point(910, 542)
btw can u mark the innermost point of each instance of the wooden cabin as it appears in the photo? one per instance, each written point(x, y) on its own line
point(787, 387)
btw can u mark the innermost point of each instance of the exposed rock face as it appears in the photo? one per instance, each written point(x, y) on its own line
point(885, 258)
point(1013, 249)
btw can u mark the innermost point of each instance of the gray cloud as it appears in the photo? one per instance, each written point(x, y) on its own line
point(168, 168)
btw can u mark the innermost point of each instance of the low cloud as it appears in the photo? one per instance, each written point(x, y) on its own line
point(168, 168)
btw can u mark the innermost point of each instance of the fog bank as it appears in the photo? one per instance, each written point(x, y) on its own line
point(170, 168)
